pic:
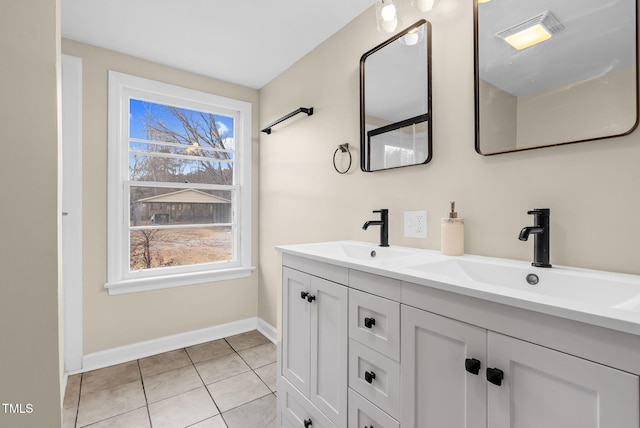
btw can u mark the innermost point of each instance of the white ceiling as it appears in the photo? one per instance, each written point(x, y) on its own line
point(248, 42)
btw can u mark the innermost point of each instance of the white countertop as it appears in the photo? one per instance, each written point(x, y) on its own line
point(413, 265)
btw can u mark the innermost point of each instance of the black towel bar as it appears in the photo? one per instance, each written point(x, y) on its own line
point(309, 112)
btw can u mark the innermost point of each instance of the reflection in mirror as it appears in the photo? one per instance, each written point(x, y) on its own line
point(395, 101)
point(576, 82)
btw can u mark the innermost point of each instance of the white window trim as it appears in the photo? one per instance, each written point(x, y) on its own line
point(119, 280)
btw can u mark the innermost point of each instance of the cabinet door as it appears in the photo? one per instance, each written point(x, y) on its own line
point(329, 331)
point(550, 389)
point(436, 390)
point(296, 313)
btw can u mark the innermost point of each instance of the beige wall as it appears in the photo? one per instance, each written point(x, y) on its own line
point(111, 321)
point(498, 116)
point(30, 363)
point(591, 188)
point(558, 115)
point(570, 114)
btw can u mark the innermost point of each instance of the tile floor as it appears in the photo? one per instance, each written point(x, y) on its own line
point(227, 383)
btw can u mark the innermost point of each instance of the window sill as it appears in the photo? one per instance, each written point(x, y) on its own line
point(169, 281)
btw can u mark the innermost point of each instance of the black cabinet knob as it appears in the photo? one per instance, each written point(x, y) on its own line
point(369, 322)
point(369, 376)
point(472, 365)
point(303, 294)
point(307, 423)
point(311, 298)
point(495, 376)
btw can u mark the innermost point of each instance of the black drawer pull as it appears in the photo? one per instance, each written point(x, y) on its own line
point(369, 376)
point(303, 294)
point(311, 298)
point(495, 376)
point(472, 365)
point(369, 322)
point(307, 423)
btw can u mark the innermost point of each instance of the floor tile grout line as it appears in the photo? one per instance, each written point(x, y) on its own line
point(254, 369)
point(144, 391)
point(75, 422)
point(251, 401)
point(237, 352)
point(261, 380)
point(193, 364)
point(119, 414)
point(204, 383)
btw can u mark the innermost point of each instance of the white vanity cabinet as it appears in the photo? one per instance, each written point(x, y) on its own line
point(446, 365)
point(361, 349)
point(314, 350)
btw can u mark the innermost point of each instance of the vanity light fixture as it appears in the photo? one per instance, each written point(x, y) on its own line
point(386, 16)
point(483, 1)
point(387, 13)
point(532, 31)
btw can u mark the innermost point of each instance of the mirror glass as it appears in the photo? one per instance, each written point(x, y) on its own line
point(395, 101)
point(554, 72)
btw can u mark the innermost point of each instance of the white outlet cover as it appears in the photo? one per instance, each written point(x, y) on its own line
point(415, 224)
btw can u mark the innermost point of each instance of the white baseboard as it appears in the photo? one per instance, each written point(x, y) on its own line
point(269, 331)
point(138, 350)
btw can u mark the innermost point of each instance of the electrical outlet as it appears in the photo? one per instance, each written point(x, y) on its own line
point(415, 224)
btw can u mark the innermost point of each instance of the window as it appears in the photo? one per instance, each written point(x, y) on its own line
point(179, 198)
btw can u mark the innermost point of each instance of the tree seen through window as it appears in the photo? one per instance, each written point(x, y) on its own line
point(181, 181)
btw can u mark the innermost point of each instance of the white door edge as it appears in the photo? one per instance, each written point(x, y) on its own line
point(72, 210)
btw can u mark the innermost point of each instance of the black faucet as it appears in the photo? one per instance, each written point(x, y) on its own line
point(384, 226)
point(540, 230)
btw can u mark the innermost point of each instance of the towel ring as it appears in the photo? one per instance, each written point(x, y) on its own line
point(342, 148)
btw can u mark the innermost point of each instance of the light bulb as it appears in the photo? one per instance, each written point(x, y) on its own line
point(388, 12)
point(387, 16)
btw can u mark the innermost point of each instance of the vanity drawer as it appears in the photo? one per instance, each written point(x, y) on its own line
point(296, 409)
point(364, 414)
point(375, 377)
point(375, 321)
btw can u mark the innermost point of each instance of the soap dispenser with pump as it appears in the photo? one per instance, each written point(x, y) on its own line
point(452, 234)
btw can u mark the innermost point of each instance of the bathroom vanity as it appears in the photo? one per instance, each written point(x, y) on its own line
point(399, 337)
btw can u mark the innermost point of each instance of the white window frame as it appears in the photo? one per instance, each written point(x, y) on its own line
point(123, 87)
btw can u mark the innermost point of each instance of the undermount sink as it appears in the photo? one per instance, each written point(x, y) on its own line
point(359, 252)
point(362, 251)
point(616, 292)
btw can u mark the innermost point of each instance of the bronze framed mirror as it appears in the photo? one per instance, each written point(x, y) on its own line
point(554, 72)
point(395, 101)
